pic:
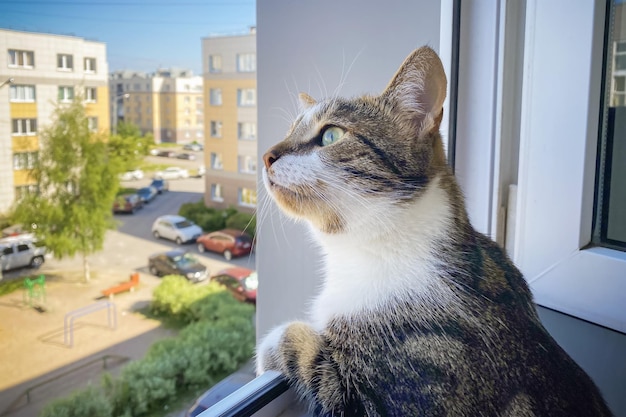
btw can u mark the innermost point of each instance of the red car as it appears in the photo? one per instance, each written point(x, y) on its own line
point(228, 242)
point(241, 282)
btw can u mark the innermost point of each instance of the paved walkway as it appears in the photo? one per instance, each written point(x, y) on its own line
point(32, 345)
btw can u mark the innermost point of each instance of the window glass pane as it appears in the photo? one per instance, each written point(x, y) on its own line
point(610, 225)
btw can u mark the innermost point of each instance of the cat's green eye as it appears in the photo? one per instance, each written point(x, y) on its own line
point(332, 135)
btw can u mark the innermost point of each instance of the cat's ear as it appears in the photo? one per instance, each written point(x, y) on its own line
point(306, 101)
point(418, 90)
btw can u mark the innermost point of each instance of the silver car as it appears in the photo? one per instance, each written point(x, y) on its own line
point(176, 228)
point(20, 251)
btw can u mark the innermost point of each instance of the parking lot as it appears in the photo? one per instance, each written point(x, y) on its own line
point(33, 338)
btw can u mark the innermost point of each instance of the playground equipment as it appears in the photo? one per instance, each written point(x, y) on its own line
point(122, 287)
point(35, 290)
point(68, 322)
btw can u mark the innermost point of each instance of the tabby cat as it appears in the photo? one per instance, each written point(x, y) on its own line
point(419, 314)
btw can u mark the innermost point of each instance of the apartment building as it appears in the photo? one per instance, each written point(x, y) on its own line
point(229, 66)
point(38, 71)
point(167, 103)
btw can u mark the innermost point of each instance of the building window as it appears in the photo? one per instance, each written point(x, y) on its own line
point(247, 165)
point(91, 94)
point(90, 65)
point(246, 130)
point(65, 62)
point(92, 123)
point(246, 62)
point(24, 190)
point(66, 94)
point(246, 97)
point(22, 59)
point(215, 63)
point(24, 127)
point(24, 160)
point(216, 192)
point(247, 197)
point(216, 96)
point(25, 93)
point(216, 129)
point(216, 161)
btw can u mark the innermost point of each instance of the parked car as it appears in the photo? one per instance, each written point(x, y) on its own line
point(241, 282)
point(193, 147)
point(219, 391)
point(127, 203)
point(20, 251)
point(228, 242)
point(167, 154)
point(176, 228)
point(147, 194)
point(201, 171)
point(172, 173)
point(177, 262)
point(188, 156)
point(134, 174)
point(161, 185)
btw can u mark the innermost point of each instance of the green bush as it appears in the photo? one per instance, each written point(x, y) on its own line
point(211, 219)
point(242, 221)
point(90, 401)
point(219, 339)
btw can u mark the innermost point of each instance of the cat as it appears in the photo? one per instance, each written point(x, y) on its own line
point(419, 314)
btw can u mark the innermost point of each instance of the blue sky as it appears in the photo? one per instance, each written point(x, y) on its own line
point(141, 35)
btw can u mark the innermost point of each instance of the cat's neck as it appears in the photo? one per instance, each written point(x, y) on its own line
point(396, 256)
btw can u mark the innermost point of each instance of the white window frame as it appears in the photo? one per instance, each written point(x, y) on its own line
point(217, 163)
point(246, 131)
point(215, 96)
point(90, 65)
point(24, 160)
point(92, 123)
point(246, 97)
point(23, 94)
point(247, 164)
point(241, 192)
point(552, 224)
point(91, 94)
point(215, 64)
point(246, 62)
point(217, 193)
point(215, 128)
point(27, 58)
point(65, 62)
point(66, 93)
point(24, 127)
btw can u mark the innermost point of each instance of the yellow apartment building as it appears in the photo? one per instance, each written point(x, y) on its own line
point(167, 103)
point(38, 71)
point(229, 66)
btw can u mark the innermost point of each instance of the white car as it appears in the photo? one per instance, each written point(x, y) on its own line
point(172, 173)
point(176, 228)
point(134, 174)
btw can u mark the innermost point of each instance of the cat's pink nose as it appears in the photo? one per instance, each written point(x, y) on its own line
point(269, 158)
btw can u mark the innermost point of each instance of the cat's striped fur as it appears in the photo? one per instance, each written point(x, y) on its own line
point(419, 315)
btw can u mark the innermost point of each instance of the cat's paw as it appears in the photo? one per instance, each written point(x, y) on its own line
point(266, 350)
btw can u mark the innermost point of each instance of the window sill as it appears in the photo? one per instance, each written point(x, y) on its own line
point(265, 396)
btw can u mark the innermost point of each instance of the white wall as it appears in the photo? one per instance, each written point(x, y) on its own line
point(354, 46)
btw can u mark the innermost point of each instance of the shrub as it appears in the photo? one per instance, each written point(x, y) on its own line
point(87, 402)
point(242, 221)
point(218, 340)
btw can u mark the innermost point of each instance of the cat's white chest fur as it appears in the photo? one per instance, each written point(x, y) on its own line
point(390, 254)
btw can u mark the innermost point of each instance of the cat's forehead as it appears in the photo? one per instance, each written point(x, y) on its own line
point(336, 111)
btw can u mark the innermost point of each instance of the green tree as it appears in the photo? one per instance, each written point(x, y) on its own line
point(77, 179)
point(130, 145)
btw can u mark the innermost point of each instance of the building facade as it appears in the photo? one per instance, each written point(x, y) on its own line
point(37, 72)
point(167, 103)
point(230, 120)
